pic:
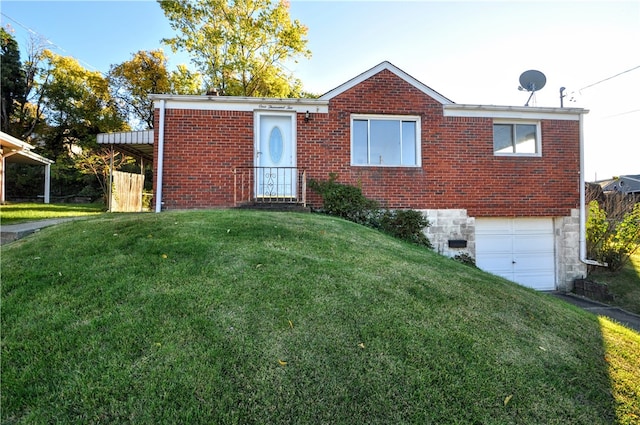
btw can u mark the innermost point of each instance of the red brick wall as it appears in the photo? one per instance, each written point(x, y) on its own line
point(459, 169)
point(201, 149)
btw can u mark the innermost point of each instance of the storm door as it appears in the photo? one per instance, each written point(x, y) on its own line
point(276, 173)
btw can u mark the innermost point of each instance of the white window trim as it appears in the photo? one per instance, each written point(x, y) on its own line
point(414, 118)
point(538, 152)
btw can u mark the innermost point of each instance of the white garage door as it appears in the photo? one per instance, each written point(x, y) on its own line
point(521, 250)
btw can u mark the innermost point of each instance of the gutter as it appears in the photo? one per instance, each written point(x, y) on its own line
point(583, 208)
point(160, 168)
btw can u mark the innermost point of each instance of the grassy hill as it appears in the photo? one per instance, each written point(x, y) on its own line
point(254, 317)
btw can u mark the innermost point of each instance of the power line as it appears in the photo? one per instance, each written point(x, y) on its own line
point(622, 113)
point(609, 78)
point(49, 42)
point(33, 32)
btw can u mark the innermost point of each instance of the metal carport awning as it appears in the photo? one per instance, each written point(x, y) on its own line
point(132, 143)
point(137, 144)
point(16, 151)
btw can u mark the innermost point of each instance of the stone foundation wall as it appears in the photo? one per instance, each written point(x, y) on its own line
point(451, 225)
point(567, 240)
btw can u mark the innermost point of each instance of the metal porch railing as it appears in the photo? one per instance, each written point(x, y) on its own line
point(269, 185)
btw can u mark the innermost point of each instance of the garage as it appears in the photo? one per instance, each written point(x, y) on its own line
point(519, 249)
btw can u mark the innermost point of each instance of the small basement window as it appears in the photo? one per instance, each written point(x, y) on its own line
point(516, 138)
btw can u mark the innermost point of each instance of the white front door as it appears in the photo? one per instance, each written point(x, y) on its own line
point(276, 175)
point(520, 249)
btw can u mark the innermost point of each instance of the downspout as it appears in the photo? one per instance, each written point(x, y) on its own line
point(160, 158)
point(583, 208)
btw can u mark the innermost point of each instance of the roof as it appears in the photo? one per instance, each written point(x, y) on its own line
point(141, 143)
point(392, 68)
point(624, 184)
point(133, 143)
point(239, 103)
point(16, 151)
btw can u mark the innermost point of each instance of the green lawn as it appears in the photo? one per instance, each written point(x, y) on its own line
point(19, 213)
point(624, 285)
point(245, 317)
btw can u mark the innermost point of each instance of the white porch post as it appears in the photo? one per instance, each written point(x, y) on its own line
point(2, 177)
point(47, 183)
point(110, 183)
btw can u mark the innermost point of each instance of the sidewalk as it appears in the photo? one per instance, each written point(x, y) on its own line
point(630, 320)
point(12, 232)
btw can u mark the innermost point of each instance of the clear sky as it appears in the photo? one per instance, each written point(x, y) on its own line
point(472, 52)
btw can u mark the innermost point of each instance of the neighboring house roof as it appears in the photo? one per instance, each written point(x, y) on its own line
point(16, 151)
point(133, 143)
point(623, 184)
point(392, 68)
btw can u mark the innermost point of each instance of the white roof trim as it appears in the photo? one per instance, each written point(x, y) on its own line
point(13, 146)
point(239, 103)
point(9, 140)
point(513, 112)
point(35, 157)
point(390, 67)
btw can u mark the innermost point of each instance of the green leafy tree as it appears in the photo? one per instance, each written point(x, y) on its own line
point(13, 82)
point(70, 105)
point(132, 82)
point(28, 115)
point(77, 105)
point(185, 81)
point(240, 46)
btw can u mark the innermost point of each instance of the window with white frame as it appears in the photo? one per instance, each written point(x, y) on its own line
point(385, 140)
point(520, 138)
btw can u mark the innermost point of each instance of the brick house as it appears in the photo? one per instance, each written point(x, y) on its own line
point(500, 183)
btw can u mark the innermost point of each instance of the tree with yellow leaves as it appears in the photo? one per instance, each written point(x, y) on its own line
point(146, 73)
point(240, 46)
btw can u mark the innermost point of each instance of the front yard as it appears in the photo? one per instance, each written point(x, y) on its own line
point(19, 213)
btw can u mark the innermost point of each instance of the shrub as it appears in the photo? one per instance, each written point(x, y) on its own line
point(406, 225)
point(345, 201)
point(466, 259)
point(609, 242)
point(348, 202)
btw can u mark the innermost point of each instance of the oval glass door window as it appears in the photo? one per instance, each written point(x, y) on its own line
point(276, 145)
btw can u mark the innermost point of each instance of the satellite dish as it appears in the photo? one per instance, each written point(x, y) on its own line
point(532, 81)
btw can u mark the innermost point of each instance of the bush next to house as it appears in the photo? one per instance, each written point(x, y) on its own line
point(345, 201)
point(609, 241)
point(349, 202)
point(406, 225)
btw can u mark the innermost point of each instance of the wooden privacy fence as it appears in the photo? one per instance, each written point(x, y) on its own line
point(126, 192)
